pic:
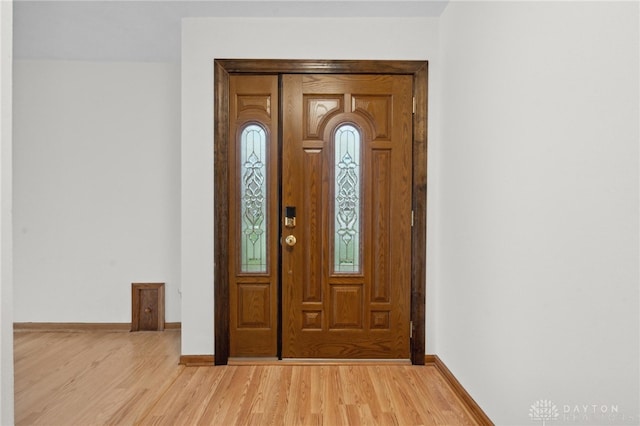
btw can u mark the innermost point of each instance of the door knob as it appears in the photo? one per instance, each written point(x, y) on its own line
point(290, 240)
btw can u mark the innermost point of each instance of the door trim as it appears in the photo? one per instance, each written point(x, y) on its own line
point(222, 69)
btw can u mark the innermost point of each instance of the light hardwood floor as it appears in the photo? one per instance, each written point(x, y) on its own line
point(119, 378)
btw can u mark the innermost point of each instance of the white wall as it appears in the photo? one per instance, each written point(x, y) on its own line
point(204, 39)
point(532, 285)
point(97, 181)
point(6, 248)
point(538, 292)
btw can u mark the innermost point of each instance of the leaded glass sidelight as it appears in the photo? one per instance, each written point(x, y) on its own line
point(347, 207)
point(253, 195)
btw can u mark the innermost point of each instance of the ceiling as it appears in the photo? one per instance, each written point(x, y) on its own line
point(150, 30)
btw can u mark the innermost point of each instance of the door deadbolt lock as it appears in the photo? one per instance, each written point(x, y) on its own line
point(290, 240)
point(290, 217)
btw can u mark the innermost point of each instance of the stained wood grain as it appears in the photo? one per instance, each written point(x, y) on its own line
point(223, 67)
point(364, 312)
point(253, 296)
point(419, 201)
point(87, 378)
point(147, 306)
point(221, 213)
point(99, 378)
point(303, 395)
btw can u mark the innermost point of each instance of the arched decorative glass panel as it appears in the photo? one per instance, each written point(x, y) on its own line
point(347, 203)
point(253, 196)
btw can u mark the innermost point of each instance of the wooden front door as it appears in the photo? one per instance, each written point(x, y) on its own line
point(346, 169)
point(340, 150)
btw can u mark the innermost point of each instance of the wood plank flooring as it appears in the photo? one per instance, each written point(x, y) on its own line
point(119, 378)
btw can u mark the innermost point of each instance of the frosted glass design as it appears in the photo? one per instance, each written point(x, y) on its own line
point(347, 208)
point(253, 195)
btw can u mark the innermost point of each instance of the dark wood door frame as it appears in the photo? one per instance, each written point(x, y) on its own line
point(222, 69)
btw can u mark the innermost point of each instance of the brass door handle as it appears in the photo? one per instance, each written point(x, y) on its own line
point(290, 240)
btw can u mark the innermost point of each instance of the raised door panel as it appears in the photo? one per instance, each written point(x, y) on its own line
point(347, 142)
point(253, 215)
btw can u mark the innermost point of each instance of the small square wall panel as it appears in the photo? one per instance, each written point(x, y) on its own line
point(147, 306)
